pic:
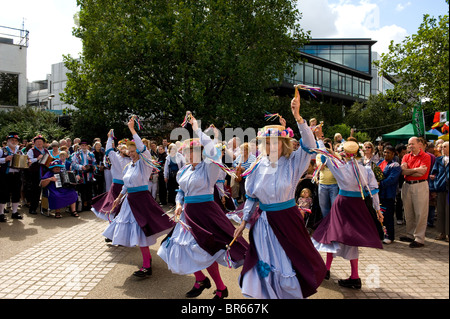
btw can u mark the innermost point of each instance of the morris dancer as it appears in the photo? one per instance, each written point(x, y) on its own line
point(281, 262)
point(84, 163)
point(140, 220)
point(349, 224)
point(36, 171)
point(11, 183)
point(202, 233)
point(102, 204)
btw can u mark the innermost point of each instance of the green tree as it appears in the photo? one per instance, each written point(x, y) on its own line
point(420, 64)
point(29, 122)
point(158, 59)
point(376, 116)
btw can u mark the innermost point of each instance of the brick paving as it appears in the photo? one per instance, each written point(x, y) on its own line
point(73, 262)
point(398, 271)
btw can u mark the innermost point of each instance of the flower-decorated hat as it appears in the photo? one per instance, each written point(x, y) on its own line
point(12, 135)
point(39, 137)
point(352, 148)
point(275, 131)
point(190, 143)
point(56, 163)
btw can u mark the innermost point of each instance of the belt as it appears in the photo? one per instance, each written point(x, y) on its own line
point(118, 181)
point(199, 198)
point(357, 194)
point(277, 206)
point(137, 189)
point(416, 181)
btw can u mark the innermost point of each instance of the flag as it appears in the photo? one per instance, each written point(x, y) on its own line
point(440, 117)
point(418, 120)
point(436, 125)
point(445, 128)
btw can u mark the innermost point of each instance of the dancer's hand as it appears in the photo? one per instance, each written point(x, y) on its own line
point(282, 121)
point(194, 123)
point(238, 231)
point(380, 216)
point(131, 125)
point(295, 108)
point(178, 210)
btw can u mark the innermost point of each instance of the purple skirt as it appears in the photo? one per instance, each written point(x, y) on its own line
point(212, 229)
point(349, 222)
point(103, 202)
point(289, 228)
point(61, 197)
point(148, 214)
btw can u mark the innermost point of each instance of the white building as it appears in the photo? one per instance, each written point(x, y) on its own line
point(13, 67)
point(380, 84)
point(57, 83)
point(46, 93)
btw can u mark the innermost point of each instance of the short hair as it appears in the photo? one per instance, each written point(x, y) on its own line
point(389, 148)
point(400, 147)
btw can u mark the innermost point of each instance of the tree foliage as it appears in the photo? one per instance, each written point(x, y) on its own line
point(29, 122)
point(420, 64)
point(158, 59)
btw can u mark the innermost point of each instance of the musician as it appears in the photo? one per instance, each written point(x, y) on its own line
point(37, 170)
point(84, 164)
point(10, 178)
point(59, 197)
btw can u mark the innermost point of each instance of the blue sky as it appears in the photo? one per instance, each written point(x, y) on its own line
point(50, 23)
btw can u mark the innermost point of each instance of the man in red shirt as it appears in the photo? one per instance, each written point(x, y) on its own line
point(415, 166)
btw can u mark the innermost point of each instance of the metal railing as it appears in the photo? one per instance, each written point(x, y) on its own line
point(14, 36)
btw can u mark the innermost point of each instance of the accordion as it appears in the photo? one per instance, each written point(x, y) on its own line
point(65, 179)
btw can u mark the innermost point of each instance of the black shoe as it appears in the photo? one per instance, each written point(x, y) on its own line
point(2, 218)
point(350, 283)
point(407, 239)
point(195, 292)
point(108, 240)
point(327, 276)
point(143, 272)
point(415, 244)
point(16, 215)
point(223, 293)
point(32, 212)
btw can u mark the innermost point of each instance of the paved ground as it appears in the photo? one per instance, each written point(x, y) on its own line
point(47, 258)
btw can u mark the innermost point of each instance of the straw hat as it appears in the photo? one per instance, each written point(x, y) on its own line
point(351, 148)
point(275, 131)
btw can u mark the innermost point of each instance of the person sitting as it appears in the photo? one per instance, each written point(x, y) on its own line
point(58, 197)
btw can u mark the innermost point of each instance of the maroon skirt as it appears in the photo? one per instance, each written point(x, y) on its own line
point(349, 222)
point(103, 202)
point(212, 229)
point(289, 228)
point(148, 214)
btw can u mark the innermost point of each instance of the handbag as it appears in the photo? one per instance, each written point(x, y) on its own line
point(377, 172)
point(373, 213)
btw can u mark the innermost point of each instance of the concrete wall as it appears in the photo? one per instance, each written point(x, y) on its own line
point(13, 59)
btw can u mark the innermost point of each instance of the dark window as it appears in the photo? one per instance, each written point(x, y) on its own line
point(9, 89)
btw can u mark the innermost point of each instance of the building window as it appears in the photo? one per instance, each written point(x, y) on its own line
point(9, 89)
point(326, 79)
point(309, 74)
point(362, 62)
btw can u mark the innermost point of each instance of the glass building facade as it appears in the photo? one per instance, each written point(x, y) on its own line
point(340, 67)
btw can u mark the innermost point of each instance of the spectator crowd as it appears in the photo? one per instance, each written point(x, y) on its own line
point(412, 177)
